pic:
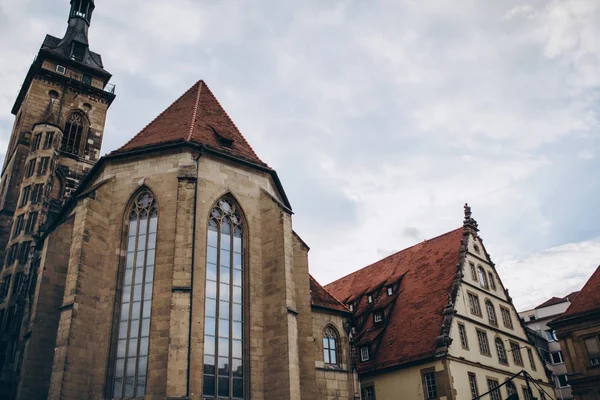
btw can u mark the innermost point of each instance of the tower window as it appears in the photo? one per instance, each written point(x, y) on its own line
point(49, 139)
point(19, 225)
point(131, 364)
point(25, 196)
point(31, 222)
point(86, 79)
point(78, 51)
point(36, 141)
point(30, 168)
point(82, 9)
point(223, 327)
point(71, 140)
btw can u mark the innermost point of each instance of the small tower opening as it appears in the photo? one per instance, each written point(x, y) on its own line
point(82, 9)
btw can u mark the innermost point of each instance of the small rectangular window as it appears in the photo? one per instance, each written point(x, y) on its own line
point(515, 349)
point(557, 357)
point(25, 196)
point(378, 316)
point(31, 221)
point(593, 349)
point(562, 381)
point(36, 142)
point(351, 307)
point(430, 385)
point(473, 385)
point(482, 339)
point(492, 280)
point(473, 272)
point(30, 168)
point(527, 395)
point(61, 70)
point(462, 332)
point(43, 165)
point(551, 335)
point(493, 388)
point(368, 393)
point(86, 80)
point(364, 353)
point(24, 252)
point(474, 304)
point(19, 223)
point(370, 298)
point(49, 139)
point(531, 359)
point(532, 317)
point(506, 318)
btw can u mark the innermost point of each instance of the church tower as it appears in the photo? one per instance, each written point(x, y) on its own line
point(56, 138)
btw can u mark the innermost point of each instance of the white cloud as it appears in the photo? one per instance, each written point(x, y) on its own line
point(556, 271)
point(382, 119)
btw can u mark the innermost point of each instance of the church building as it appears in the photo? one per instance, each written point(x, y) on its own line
point(169, 268)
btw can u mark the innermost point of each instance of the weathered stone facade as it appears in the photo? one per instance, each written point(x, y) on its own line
point(60, 116)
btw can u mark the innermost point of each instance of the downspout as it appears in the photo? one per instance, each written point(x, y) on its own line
point(189, 355)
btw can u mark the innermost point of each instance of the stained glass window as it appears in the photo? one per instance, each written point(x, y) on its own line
point(131, 361)
point(223, 327)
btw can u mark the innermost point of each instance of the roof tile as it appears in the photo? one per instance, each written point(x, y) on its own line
point(195, 117)
point(425, 273)
point(588, 299)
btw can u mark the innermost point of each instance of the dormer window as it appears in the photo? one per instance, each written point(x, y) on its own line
point(351, 306)
point(370, 298)
point(390, 290)
point(77, 51)
point(378, 316)
point(364, 354)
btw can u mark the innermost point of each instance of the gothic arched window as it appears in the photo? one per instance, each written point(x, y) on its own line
point(501, 350)
point(73, 133)
point(330, 346)
point(131, 361)
point(491, 312)
point(223, 329)
point(482, 278)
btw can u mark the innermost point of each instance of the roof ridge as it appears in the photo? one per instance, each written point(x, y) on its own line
point(393, 254)
point(232, 122)
point(195, 112)
point(157, 117)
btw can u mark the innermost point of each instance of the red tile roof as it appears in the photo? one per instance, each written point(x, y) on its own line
point(557, 300)
point(195, 117)
point(322, 298)
point(588, 299)
point(424, 274)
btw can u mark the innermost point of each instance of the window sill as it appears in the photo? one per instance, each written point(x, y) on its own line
point(335, 368)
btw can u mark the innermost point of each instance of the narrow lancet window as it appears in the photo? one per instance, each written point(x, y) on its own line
point(131, 361)
point(223, 328)
point(74, 130)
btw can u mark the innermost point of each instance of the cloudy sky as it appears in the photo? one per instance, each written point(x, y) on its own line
point(382, 117)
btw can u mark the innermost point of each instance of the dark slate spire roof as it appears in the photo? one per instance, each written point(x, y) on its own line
point(196, 117)
point(77, 32)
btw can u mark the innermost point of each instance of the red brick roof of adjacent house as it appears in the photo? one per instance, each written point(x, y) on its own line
point(195, 117)
point(588, 299)
point(557, 300)
point(424, 274)
point(320, 297)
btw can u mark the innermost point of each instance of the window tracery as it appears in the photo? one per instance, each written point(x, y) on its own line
point(73, 133)
point(223, 329)
point(330, 346)
point(131, 361)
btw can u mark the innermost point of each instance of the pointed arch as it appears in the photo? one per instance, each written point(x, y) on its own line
point(331, 345)
point(224, 362)
point(135, 296)
point(74, 132)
